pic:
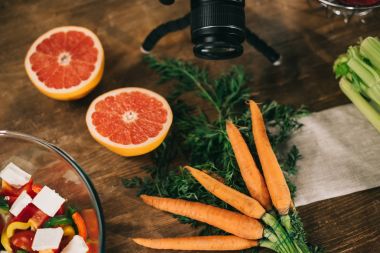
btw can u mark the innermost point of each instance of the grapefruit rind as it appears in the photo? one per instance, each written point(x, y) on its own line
point(77, 91)
point(131, 149)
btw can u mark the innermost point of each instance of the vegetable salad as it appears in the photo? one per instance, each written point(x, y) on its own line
point(35, 218)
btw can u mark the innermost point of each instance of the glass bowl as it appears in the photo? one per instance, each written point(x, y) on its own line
point(51, 166)
point(348, 11)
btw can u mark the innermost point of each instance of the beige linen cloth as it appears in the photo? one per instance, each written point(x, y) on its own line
point(341, 155)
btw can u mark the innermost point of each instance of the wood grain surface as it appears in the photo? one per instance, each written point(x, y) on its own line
point(306, 38)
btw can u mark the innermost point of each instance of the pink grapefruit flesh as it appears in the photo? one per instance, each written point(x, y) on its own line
point(129, 121)
point(66, 62)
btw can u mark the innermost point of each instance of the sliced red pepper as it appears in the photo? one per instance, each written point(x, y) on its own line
point(38, 219)
point(23, 240)
point(26, 213)
point(61, 211)
point(9, 190)
point(64, 242)
point(2, 223)
point(37, 188)
point(11, 200)
point(91, 221)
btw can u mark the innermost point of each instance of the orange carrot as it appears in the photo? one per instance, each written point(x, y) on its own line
point(221, 242)
point(231, 222)
point(81, 225)
point(277, 186)
point(240, 201)
point(248, 169)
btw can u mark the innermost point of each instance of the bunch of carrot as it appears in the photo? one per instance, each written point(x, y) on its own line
point(256, 224)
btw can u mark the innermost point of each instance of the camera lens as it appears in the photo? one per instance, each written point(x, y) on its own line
point(217, 28)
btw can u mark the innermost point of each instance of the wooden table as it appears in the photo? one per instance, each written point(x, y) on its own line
point(307, 39)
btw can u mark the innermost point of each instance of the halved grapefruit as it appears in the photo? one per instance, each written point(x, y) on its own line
point(129, 121)
point(65, 63)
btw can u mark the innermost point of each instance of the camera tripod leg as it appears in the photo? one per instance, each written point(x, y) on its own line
point(263, 47)
point(163, 29)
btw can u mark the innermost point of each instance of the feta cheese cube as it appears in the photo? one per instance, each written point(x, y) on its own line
point(15, 176)
point(48, 201)
point(47, 238)
point(76, 245)
point(20, 203)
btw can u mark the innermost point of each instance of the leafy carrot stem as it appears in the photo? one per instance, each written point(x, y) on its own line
point(286, 221)
point(280, 232)
point(274, 239)
point(269, 245)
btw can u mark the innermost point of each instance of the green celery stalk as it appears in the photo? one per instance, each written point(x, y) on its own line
point(366, 73)
point(374, 94)
point(364, 107)
point(359, 71)
point(370, 49)
point(374, 105)
point(360, 68)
